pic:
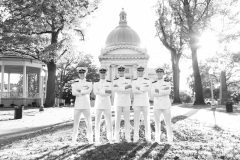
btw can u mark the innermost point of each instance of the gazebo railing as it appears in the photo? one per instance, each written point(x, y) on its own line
point(32, 95)
point(19, 95)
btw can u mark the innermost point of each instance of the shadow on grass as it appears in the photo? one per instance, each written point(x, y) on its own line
point(192, 106)
point(163, 151)
point(124, 151)
point(66, 152)
point(145, 155)
point(217, 128)
point(113, 151)
point(186, 115)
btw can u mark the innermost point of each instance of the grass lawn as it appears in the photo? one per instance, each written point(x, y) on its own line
point(193, 139)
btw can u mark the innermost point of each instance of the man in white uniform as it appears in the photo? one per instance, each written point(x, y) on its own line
point(103, 90)
point(140, 89)
point(122, 102)
point(81, 89)
point(161, 90)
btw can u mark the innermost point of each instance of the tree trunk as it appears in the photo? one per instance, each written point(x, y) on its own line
point(176, 78)
point(197, 79)
point(50, 95)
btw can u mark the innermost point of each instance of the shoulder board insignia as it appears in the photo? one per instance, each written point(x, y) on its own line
point(135, 79)
point(97, 80)
point(146, 78)
point(76, 81)
point(154, 81)
point(166, 80)
point(116, 79)
point(127, 78)
point(108, 81)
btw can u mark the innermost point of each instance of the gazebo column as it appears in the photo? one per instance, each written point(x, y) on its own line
point(27, 82)
point(41, 87)
point(24, 82)
point(2, 83)
point(8, 87)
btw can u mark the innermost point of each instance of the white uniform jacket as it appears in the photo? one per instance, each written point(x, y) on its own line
point(141, 97)
point(161, 99)
point(102, 99)
point(122, 96)
point(82, 100)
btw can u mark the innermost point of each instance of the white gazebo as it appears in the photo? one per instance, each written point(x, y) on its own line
point(31, 86)
point(123, 47)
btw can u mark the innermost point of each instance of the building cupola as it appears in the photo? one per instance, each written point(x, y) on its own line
point(123, 17)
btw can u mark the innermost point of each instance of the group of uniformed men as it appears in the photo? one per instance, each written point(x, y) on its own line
point(122, 87)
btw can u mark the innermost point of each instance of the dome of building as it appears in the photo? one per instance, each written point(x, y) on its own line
point(123, 34)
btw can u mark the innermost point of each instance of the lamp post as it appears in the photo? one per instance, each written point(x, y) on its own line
point(211, 73)
point(41, 85)
point(212, 103)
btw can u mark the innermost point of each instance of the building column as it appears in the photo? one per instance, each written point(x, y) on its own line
point(8, 87)
point(134, 71)
point(109, 72)
point(24, 82)
point(113, 66)
point(2, 83)
point(146, 71)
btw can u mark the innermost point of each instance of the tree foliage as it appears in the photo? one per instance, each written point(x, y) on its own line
point(67, 69)
point(44, 30)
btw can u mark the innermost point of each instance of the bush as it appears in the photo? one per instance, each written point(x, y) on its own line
point(34, 104)
point(1, 105)
point(29, 105)
point(185, 98)
point(12, 105)
point(61, 104)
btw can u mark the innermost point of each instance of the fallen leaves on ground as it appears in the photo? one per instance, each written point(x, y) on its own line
point(192, 140)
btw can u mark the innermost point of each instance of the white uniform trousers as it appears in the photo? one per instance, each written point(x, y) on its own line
point(167, 119)
point(126, 116)
point(88, 120)
point(108, 120)
point(146, 114)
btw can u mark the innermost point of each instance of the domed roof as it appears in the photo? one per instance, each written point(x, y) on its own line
point(123, 34)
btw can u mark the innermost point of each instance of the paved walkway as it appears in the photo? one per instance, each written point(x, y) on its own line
point(34, 121)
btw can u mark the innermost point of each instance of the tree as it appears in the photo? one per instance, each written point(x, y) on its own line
point(205, 77)
point(171, 37)
point(67, 69)
point(42, 30)
point(194, 16)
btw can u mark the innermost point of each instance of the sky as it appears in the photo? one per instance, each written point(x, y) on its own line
point(141, 17)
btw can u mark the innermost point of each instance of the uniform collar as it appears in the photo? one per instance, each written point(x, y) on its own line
point(102, 80)
point(121, 78)
point(82, 79)
point(160, 80)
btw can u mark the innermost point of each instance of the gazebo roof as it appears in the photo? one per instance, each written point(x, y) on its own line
point(13, 55)
point(13, 62)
